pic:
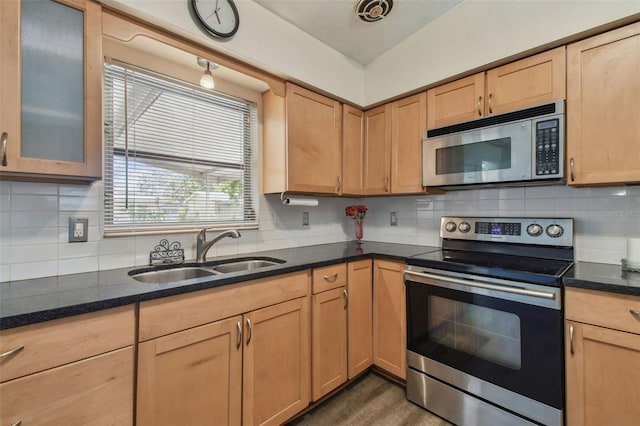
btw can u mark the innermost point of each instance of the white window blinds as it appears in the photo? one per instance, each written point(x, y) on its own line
point(176, 156)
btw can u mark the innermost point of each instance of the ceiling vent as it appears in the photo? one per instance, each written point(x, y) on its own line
point(373, 10)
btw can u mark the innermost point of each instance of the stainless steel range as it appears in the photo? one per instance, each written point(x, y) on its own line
point(485, 321)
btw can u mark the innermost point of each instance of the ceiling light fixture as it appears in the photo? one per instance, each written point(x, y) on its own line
point(206, 80)
point(373, 10)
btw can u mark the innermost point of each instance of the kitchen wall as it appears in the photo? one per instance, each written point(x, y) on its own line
point(34, 224)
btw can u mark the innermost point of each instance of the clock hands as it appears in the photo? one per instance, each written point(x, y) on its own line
point(215, 12)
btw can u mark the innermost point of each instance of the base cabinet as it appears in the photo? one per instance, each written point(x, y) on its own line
point(389, 318)
point(359, 317)
point(602, 358)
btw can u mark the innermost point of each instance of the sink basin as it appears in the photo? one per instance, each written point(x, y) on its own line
point(172, 274)
point(245, 265)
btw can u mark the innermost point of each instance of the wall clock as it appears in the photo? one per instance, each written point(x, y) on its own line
point(219, 17)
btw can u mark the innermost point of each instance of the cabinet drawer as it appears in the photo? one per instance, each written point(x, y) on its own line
point(329, 277)
point(171, 314)
point(610, 310)
point(94, 391)
point(53, 343)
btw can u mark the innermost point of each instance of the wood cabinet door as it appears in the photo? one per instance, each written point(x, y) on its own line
point(531, 81)
point(328, 341)
point(95, 391)
point(277, 367)
point(192, 377)
point(314, 150)
point(389, 318)
point(359, 317)
point(377, 157)
point(352, 150)
point(409, 120)
point(603, 100)
point(44, 138)
point(603, 376)
point(460, 100)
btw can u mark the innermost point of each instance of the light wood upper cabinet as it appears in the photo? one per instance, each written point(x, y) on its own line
point(603, 100)
point(377, 155)
point(302, 149)
point(530, 81)
point(352, 150)
point(51, 110)
point(359, 317)
point(393, 147)
point(458, 101)
point(602, 358)
point(408, 122)
point(389, 318)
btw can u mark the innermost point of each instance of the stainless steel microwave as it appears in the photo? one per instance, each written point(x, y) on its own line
point(519, 147)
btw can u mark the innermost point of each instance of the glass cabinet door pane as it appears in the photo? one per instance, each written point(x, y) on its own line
point(52, 46)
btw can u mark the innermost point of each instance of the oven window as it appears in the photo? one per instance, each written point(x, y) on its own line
point(476, 330)
point(474, 157)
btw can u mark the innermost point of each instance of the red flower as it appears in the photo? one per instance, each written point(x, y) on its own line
point(357, 211)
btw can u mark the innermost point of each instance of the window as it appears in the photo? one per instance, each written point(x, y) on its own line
point(176, 156)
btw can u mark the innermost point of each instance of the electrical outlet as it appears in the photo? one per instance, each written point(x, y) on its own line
point(393, 219)
point(78, 229)
point(305, 218)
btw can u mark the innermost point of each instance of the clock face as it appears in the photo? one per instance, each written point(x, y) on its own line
point(219, 17)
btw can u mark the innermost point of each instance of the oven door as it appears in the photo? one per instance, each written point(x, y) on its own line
point(492, 154)
point(506, 333)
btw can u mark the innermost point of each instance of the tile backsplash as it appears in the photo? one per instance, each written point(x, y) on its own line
point(34, 224)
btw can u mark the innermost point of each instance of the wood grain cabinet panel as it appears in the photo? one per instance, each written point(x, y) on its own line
point(408, 122)
point(329, 341)
point(603, 100)
point(359, 317)
point(377, 154)
point(95, 391)
point(389, 318)
point(527, 82)
point(66, 114)
point(352, 150)
point(602, 333)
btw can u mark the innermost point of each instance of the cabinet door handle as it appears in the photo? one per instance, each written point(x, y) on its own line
point(11, 351)
point(571, 164)
point(5, 137)
point(635, 313)
point(249, 330)
point(339, 184)
point(239, 343)
point(571, 340)
point(331, 278)
point(346, 298)
point(479, 104)
point(18, 423)
point(490, 98)
point(386, 184)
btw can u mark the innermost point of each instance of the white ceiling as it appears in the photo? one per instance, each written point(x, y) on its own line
point(335, 23)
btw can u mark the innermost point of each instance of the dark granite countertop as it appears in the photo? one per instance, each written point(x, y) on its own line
point(31, 301)
point(603, 277)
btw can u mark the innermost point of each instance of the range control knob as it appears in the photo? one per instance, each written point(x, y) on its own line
point(450, 226)
point(554, 231)
point(464, 227)
point(534, 230)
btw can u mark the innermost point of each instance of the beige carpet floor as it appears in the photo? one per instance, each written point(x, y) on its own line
point(371, 401)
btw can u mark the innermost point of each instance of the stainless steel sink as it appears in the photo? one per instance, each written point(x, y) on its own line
point(245, 265)
point(169, 274)
point(172, 274)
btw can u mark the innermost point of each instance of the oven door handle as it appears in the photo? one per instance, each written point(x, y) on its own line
point(487, 286)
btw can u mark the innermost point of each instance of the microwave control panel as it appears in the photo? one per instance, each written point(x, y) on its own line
point(548, 146)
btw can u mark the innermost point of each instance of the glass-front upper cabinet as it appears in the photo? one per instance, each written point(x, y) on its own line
point(50, 90)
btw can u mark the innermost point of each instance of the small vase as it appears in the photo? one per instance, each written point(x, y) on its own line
point(359, 231)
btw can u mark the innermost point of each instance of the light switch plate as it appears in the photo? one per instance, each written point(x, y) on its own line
point(393, 219)
point(78, 229)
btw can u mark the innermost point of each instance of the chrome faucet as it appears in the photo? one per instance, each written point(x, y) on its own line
point(203, 246)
